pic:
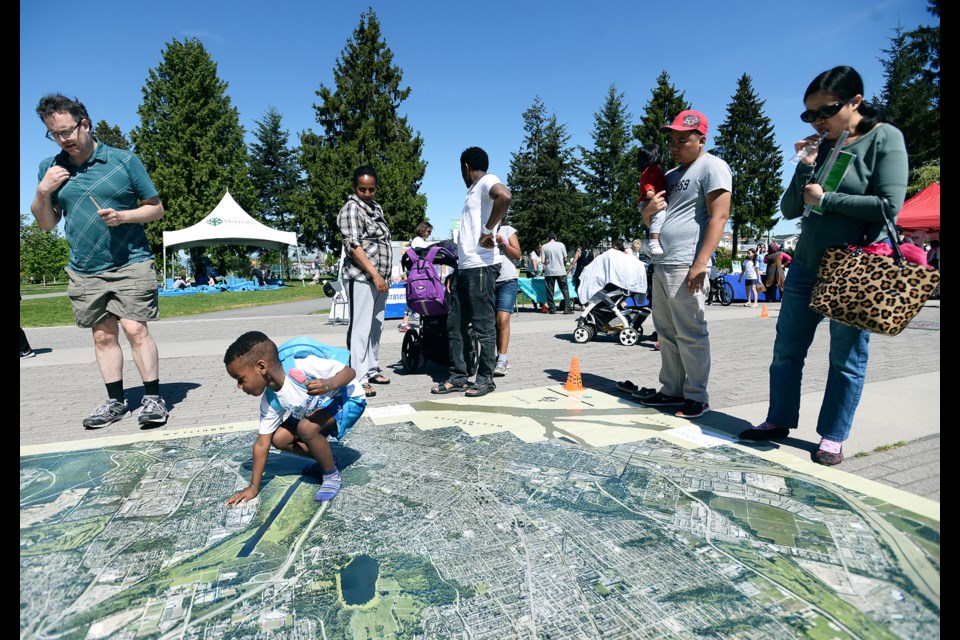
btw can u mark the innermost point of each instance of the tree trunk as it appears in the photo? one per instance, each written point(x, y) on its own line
point(736, 240)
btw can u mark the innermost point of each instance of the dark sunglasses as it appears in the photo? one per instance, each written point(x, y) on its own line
point(827, 111)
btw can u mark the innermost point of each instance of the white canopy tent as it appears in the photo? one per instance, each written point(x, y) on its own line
point(228, 223)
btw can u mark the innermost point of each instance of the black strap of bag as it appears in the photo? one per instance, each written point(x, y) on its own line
point(891, 229)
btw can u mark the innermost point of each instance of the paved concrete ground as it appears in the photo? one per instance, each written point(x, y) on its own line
point(900, 405)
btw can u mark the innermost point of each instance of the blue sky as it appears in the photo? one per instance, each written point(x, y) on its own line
point(473, 68)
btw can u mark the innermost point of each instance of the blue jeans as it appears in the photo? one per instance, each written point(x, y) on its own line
point(849, 349)
point(472, 301)
point(507, 295)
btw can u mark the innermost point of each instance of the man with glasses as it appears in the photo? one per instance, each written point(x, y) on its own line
point(697, 204)
point(104, 197)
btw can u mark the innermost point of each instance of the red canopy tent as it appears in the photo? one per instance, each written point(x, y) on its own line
point(922, 211)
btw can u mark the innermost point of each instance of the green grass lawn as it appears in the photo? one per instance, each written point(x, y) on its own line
point(33, 289)
point(52, 312)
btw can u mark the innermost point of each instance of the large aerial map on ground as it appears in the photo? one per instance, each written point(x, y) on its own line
point(497, 520)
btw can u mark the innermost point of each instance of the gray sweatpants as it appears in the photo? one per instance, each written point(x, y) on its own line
point(367, 307)
point(678, 317)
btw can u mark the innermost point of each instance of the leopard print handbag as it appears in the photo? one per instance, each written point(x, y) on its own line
point(872, 292)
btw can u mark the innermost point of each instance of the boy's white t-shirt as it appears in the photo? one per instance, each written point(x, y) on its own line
point(476, 212)
point(508, 270)
point(294, 398)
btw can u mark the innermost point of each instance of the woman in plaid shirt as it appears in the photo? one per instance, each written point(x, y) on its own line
point(367, 262)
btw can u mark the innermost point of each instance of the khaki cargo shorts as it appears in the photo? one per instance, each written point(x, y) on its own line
point(130, 292)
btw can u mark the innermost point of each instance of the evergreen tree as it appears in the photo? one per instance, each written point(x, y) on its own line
point(609, 175)
point(43, 254)
point(541, 179)
point(664, 105)
point(910, 98)
point(190, 140)
point(922, 177)
point(274, 172)
point(746, 141)
point(111, 136)
point(926, 43)
point(361, 124)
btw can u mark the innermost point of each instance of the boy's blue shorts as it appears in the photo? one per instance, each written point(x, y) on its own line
point(507, 295)
point(346, 412)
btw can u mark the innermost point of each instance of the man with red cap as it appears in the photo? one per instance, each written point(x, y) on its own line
point(697, 204)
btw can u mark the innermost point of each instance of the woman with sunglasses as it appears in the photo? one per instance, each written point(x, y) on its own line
point(850, 215)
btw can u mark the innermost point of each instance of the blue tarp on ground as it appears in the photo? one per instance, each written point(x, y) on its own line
point(232, 284)
point(536, 289)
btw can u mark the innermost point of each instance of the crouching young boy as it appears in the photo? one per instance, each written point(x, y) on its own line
point(320, 396)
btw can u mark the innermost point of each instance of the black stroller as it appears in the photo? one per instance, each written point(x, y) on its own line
point(608, 285)
point(428, 340)
point(607, 312)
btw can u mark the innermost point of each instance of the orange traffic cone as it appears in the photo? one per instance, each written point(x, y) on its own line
point(574, 383)
point(763, 311)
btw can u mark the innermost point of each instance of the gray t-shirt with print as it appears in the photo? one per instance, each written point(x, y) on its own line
point(686, 213)
point(555, 256)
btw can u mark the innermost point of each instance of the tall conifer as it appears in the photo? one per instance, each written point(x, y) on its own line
point(746, 141)
point(542, 181)
point(360, 123)
point(110, 135)
point(663, 106)
point(275, 173)
point(190, 139)
point(609, 175)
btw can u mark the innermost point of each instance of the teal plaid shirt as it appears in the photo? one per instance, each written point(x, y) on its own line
point(116, 179)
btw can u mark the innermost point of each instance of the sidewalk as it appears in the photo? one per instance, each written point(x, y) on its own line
point(900, 404)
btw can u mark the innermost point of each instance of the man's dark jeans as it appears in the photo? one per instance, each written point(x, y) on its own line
point(473, 301)
point(552, 282)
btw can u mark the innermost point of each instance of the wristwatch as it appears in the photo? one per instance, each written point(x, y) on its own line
point(486, 232)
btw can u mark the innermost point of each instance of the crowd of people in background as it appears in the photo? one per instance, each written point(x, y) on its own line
point(685, 210)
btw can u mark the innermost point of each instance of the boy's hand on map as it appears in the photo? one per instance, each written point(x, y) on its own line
point(240, 497)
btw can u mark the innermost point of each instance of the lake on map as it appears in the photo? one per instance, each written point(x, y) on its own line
point(358, 580)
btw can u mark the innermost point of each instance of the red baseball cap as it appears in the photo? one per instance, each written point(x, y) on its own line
point(688, 120)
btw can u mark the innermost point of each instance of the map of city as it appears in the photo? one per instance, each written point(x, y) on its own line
point(537, 514)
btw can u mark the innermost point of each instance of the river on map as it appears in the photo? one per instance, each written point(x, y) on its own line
point(251, 543)
point(358, 580)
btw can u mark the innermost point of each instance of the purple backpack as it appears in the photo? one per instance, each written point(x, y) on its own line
point(426, 294)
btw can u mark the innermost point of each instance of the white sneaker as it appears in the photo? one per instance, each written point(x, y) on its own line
point(501, 369)
point(655, 247)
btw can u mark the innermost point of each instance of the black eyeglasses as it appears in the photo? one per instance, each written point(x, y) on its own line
point(824, 112)
point(62, 135)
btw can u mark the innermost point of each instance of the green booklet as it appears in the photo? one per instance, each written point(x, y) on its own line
point(835, 173)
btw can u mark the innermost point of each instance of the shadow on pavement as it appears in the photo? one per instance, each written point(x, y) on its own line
point(172, 392)
point(590, 380)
